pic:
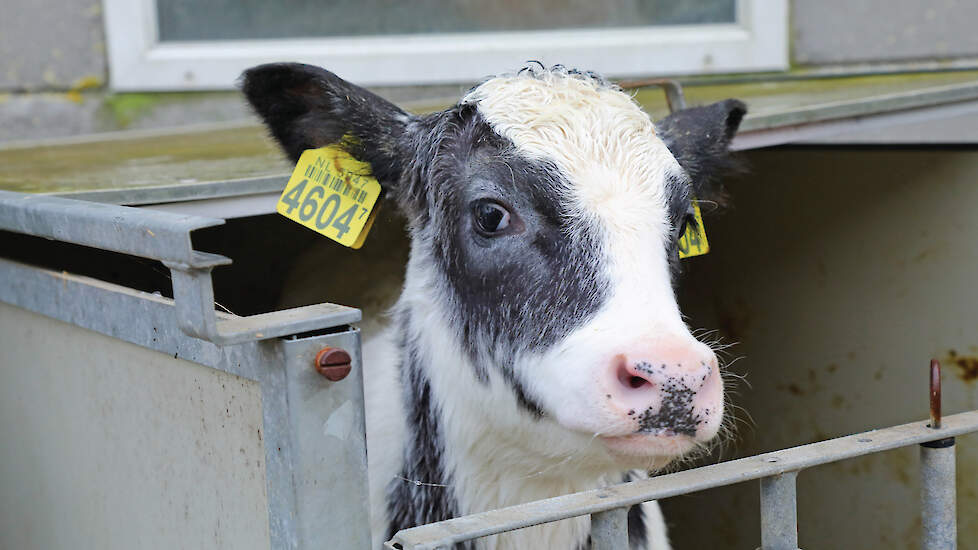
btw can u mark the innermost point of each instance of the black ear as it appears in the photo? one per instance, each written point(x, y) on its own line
point(307, 107)
point(699, 138)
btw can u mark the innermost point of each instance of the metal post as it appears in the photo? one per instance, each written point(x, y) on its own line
point(779, 515)
point(937, 478)
point(329, 458)
point(937, 498)
point(609, 530)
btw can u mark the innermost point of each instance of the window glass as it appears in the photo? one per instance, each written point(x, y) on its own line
point(180, 20)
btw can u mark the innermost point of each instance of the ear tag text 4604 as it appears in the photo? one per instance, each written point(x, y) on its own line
point(333, 194)
point(693, 242)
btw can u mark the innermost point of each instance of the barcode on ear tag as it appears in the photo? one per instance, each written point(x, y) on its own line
point(693, 242)
point(333, 194)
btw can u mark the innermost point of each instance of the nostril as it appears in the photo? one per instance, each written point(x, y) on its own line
point(628, 378)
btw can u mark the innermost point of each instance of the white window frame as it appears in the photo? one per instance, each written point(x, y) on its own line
point(138, 61)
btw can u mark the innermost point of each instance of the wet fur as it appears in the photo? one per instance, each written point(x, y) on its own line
point(457, 388)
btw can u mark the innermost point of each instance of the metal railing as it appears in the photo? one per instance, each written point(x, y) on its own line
point(280, 351)
point(777, 472)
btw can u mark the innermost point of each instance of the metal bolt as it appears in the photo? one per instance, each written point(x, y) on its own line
point(333, 363)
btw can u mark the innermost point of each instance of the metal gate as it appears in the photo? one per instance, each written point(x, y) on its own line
point(312, 431)
point(311, 428)
point(777, 471)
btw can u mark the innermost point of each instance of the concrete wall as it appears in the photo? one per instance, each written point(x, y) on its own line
point(839, 274)
point(53, 67)
point(51, 45)
point(843, 31)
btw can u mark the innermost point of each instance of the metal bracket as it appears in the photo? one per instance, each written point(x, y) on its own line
point(165, 237)
point(673, 89)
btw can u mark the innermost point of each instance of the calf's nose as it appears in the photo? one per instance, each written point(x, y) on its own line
point(673, 387)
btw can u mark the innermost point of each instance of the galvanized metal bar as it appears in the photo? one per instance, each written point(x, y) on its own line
point(864, 106)
point(166, 237)
point(609, 530)
point(293, 405)
point(779, 512)
point(181, 192)
point(446, 533)
point(766, 130)
point(937, 495)
point(137, 232)
point(193, 293)
point(329, 459)
point(937, 477)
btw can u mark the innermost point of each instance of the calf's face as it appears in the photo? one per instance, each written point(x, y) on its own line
point(544, 211)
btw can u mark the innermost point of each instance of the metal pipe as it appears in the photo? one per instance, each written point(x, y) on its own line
point(779, 512)
point(937, 478)
point(937, 498)
point(609, 529)
point(491, 522)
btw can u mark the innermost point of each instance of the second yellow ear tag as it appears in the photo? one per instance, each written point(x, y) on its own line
point(333, 194)
point(693, 242)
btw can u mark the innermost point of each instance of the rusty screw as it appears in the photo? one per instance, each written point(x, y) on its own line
point(333, 363)
point(935, 394)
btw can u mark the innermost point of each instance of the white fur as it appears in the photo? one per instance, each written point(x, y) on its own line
point(616, 168)
point(496, 463)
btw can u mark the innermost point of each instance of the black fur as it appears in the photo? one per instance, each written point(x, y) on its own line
point(637, 536)
point(431, 499)
point(306, 107)
point(699, 138)
point(513, 293)
point(507, 294)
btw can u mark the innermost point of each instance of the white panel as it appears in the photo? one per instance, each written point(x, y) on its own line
point(111, 446)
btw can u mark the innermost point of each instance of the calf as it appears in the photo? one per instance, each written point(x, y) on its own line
point(537, 348)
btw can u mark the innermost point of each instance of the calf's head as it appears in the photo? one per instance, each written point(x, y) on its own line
point(544, 210)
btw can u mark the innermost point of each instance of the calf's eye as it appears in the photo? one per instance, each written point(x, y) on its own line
point(490, 217)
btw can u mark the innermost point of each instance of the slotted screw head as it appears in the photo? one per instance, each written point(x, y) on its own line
point(333, 363)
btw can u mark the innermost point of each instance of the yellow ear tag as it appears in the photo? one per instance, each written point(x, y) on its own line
point(693, 242)
point(333, 194)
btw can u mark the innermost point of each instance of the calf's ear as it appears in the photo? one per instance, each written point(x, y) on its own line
point(306, 107)
point(699, 138)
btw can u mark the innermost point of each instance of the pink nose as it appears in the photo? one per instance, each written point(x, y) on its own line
point(668, 389)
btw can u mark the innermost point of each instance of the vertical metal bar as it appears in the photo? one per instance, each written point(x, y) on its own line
point(937, 498)
point(193, 297)
point(937, 478)
point(779, 513)
point(274, 434)
point(609, 530)
point(329, 450)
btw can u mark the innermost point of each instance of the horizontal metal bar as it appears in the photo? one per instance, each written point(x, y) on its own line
point(862, 107)
point(145, 233)
point(446, 533)
point(166, 237)
point(183, 192)
point(768, 136)
point(232, 330)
